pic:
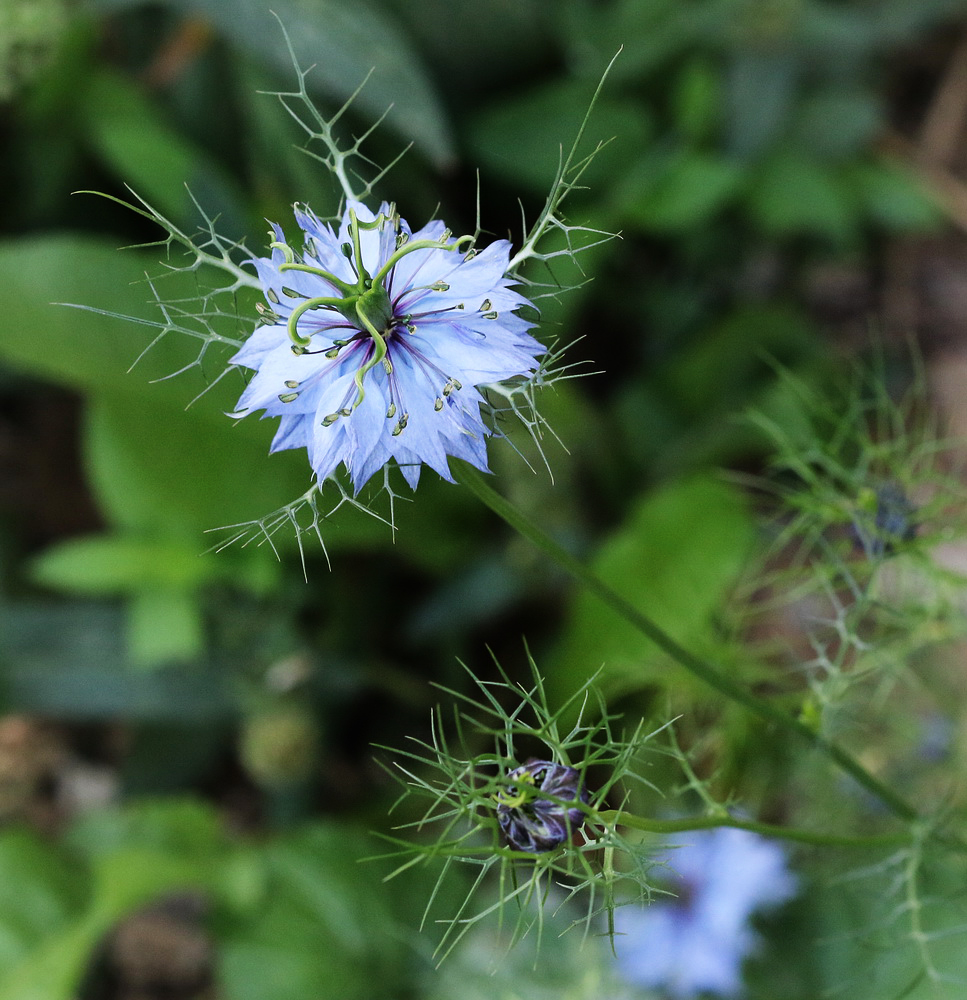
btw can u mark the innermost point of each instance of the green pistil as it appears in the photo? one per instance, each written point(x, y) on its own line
point(365, 304)
point(408, 247)
point(516, 801)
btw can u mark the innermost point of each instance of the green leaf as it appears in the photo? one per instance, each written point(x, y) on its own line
point(691, 188)
point(836, 123)
point(176, 473)
point(158, 468)
point(521, 138)
point(130, 133)
point(795, 195)
point(342, 43)
point(132, 863)
point(114, 564)
point(164, 626)
point(323, 927)
point(81, 349)
point(41, 892)
point(675, 558)
point(697, 99)
point(893, 196)
point(651, 34)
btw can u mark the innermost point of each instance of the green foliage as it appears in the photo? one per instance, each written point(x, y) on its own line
point(675, 558)
point(738, 148)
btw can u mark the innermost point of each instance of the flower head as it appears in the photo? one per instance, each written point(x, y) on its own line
point(696, 942)
point(377, 341)
point(533, 811)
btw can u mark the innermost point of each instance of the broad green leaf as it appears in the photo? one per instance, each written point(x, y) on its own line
point(793, 195)
point(180, 827)
point(177, 473)
point(86, 350)
point(674, 558)
point(160, 470)
point(323, 927)
point(522, 138)
point(40, 890)
point(342, 43)
point(691, 188)
point(131, 864)
point(893, 196)
point(164, 626)
point(130, 133)
point(113, 564)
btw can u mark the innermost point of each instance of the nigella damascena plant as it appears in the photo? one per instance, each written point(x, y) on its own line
point(377, 341)
point(537, 811)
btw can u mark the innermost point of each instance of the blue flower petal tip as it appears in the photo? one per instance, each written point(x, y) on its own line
point(376, 343)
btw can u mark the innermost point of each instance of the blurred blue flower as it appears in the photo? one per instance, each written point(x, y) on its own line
point(695, 943)
point(376, 343)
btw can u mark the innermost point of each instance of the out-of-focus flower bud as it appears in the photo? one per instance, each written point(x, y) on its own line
point(278, 746)
point(885, 518)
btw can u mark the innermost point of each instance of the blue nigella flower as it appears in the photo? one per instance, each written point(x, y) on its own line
point(377, 341)
point(534, 812)
point(695, 942)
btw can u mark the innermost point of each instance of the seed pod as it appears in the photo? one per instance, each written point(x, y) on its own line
point(533, 810)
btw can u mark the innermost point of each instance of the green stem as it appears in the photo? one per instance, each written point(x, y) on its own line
point(668, 826)
point(704, 671)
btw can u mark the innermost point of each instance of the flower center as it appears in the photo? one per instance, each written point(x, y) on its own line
point(365, 305)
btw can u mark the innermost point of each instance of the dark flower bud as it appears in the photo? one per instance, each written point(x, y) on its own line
point(885, 519)
point(533, 810)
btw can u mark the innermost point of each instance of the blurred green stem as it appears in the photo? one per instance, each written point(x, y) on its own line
point(666, 826)
point(705, 672)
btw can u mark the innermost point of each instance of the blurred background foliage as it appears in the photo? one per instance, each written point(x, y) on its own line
point(187, 736)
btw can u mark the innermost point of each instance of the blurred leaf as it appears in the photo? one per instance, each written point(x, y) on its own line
point(342, 43)
point(521, 139)
point(481, 43)
point(650, 33)
point(182, 827)
point(86, 350)
point(130, 865)
point(177, 473)
point(164, 625)
point(147, 153)
point(837, 123)
point(761, 91)
point(164, 619)
point(893, 196)
point(70, 661)
point(323, 927)
point(691, 188)
point(113, 564)
point(675, 558)
point(39, 893)
point(795, 196)
point(697, 99)
point(158, 467)
point(730, 361)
